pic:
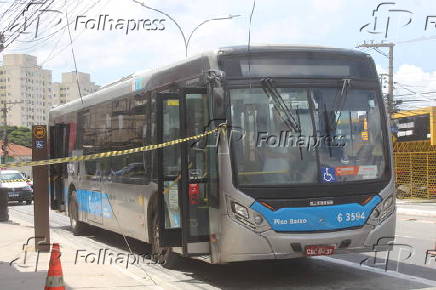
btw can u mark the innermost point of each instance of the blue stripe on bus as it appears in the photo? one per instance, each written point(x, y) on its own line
point(318, 218)
point(94, 202)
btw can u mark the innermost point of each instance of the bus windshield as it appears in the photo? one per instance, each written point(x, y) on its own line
point(339, 137)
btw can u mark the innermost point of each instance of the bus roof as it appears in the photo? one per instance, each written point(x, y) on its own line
point(126, 84)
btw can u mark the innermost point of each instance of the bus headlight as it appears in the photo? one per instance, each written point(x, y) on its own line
point(383, 210)
point(387, 209)
point(246, 216)
point(258, 220)
point(240, 210)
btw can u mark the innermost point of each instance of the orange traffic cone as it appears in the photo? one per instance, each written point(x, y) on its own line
point(55, 279)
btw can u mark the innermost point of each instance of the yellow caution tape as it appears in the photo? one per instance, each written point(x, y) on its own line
point(14, 180)
point(111, 153)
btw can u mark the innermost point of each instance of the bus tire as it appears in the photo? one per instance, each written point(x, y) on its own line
point(161, 255)
point(77, 227)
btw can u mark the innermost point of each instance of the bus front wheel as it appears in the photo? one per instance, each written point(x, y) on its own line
point(161, 255)
point(77, 226)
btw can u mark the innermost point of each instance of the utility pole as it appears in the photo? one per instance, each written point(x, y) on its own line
point(2, 41)
point(383, 83)
point(390, 97)
point(5, 110)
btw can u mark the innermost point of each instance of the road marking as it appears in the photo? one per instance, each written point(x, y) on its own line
point(379, 271)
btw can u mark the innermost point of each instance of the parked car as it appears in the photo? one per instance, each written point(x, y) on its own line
point(15, 185)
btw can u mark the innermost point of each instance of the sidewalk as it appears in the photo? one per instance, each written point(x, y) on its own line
point(424, 208)
point(19, 275)
point(81, 274)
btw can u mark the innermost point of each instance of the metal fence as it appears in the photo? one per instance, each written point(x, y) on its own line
point(415, 168)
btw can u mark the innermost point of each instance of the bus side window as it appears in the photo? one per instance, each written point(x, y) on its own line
point(91, 167)
point(129, 130)
point(94, 132)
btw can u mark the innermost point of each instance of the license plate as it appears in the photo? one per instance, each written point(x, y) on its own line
point(319, 250)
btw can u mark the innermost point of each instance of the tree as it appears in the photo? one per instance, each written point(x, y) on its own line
point(18, 135)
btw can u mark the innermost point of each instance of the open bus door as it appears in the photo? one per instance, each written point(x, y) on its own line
point(183, 198)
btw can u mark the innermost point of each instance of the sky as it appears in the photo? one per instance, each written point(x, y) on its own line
point(111, 54)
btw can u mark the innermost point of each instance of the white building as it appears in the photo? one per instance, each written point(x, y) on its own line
point(23, 80)
point(68, 90)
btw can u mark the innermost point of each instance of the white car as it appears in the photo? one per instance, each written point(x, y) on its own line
point(16, 185)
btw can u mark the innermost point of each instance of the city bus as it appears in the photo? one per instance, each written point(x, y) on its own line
point(303, 166)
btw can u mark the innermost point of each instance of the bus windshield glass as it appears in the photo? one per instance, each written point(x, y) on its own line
point(337, 136)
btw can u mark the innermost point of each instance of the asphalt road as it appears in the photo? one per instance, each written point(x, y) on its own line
point(406, 271)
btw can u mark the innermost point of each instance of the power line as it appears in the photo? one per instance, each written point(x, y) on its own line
point(19, 15)
point(72, 52)
point(423, 38)
point(179, 27)
point(43, 40)
point(380, 52)
point(416, 93)
point(50, 57)
point(390, 46)
point(12, 9)
point(9, 9)
point(425, 93)
point(31, 22)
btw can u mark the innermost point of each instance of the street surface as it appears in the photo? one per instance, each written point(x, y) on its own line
point(81, 271)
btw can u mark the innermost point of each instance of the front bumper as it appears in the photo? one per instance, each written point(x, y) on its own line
point(239, 243)
point(19, 195)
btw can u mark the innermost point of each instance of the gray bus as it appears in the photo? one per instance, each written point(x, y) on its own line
point(304, 167)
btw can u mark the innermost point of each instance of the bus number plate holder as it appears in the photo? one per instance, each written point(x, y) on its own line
point(319, 250)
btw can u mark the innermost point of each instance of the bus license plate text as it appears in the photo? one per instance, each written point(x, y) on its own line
point(319, 250)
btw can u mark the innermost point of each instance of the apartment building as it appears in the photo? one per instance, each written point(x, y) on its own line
point(68, 90)
point(23, 80)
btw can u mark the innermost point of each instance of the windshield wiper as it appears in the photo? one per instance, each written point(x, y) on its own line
point(341, 98)
point(283, 110)
point(338, 104)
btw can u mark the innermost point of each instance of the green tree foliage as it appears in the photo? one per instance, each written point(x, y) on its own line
point(18, 135)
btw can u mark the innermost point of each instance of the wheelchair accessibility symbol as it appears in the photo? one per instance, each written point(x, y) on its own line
point(328, 174)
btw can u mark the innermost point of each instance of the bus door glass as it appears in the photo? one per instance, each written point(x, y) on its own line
point(183, 182)
point(196, 233)
point(170, 175)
